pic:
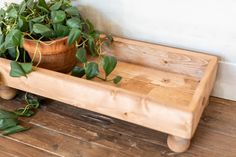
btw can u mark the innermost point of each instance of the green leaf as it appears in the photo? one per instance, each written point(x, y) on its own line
point(7, 123)
point(81, 55)
point(39, 19)
point(73, 36)
point(56, 6)
point(2, 49)
point(27, 67)
point(12, 52)
point(31, 23)
point(16, 70)
point(91, 70)
point(58, 16)
point(2, 14)
point(78, 72)
point(30, 4)
point(90, 26)
point(22, 24)
point(42, 3)
point(14, 38)
point(117, 79)
point(61, 30)
point(22, 7)
point(41, 29)
point(74, 22)
point(6, 114)
point(108, 64)
point(14, 129)
point(43, 9)
point(72, 11)
point(2, 38)
point(12, 13)
point(91, 45)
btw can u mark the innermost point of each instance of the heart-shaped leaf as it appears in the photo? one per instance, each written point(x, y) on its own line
point(74, 22)
point(27, 67)
point(81, 55)
point(74, 36)
point(16, 70)
point(72, 11)
point(61, 30)
point(20, 69)
point(12, 13)
point(56, 6)
point(58, 16)
point(108, 64)
point(14, 38)
point(91, 70)
point(78, 72)
point(41, 29)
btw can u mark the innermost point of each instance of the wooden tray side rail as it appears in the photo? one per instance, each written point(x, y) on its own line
point(157, 108)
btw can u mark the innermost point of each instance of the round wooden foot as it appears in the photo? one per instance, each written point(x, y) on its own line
point(7, 92)
point(178, 144)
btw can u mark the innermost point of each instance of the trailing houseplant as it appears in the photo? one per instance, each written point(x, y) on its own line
point(45, 23)
point(40, 24)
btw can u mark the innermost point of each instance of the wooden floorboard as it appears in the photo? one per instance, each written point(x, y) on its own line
point(62, 130)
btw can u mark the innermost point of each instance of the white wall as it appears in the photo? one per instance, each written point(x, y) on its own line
point(208, 26)
point(201, 25)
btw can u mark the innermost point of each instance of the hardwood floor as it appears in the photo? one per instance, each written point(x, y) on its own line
point(61, 130)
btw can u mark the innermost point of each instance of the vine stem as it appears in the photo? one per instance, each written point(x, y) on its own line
point(103, 79)
point(18, 54)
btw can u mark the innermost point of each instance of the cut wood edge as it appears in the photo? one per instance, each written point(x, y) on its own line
point(201, 96)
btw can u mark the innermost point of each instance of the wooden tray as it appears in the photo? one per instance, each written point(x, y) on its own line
point(163, 88)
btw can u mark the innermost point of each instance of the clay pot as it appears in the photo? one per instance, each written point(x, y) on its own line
point(56, 55)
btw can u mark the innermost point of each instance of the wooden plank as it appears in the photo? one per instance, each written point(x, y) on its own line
point(160, 57)
point(62, 144)
point(204, 144)
point(219, 116)
point(211, 138)
point(11, 147)
point(108, 100)
point(163, 87)
point(201, 97)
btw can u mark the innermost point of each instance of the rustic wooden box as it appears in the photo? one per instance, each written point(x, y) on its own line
point(163, 88)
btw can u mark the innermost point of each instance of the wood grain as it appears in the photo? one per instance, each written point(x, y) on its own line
point(165, 89)
point(214, 137)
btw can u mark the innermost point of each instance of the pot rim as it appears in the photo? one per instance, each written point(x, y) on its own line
point(48, 41)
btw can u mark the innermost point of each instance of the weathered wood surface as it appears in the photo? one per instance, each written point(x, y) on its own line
point(157, 81)
point(62, 130)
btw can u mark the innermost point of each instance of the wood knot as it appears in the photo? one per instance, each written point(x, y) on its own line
point(165, 80)
point(165, 61)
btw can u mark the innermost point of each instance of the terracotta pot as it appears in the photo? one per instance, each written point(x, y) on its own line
point(56, 55)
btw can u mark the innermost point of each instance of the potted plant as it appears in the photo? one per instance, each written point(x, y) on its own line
point(51, 35)
point(55, 36)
